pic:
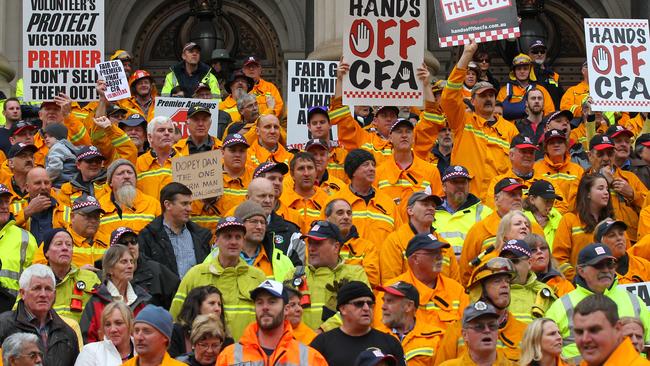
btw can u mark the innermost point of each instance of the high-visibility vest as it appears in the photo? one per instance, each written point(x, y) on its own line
point(17, 248)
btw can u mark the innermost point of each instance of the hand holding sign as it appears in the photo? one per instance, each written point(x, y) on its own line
point(102, 122)
point(65, 103)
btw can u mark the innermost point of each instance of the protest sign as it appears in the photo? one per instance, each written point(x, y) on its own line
point(311, 83)
point(200, 172)
point(617, 58)
point(117, 85)
point(62, 43)
point(384, 44)
point(176, 110)
point(484, 20)
point(641, 289)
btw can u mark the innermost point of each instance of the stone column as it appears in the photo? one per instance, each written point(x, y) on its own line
point(7, 73)
point(328, 33)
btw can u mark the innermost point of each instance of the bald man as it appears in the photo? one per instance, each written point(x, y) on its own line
point(39, 212)
point(267, 146)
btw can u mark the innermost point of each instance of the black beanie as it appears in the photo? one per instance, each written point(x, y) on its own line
point(354, 160)
point(56, 130)
point(49, 235)
point(351, 291)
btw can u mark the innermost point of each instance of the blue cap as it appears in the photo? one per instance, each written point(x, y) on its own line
point(158, 318)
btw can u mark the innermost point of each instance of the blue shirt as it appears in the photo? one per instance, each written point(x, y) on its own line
point(183, 248)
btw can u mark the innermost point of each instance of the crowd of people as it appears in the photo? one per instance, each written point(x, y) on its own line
point(491, 226)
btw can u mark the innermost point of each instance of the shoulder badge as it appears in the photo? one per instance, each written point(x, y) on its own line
point(546, 293)
point(81, 285)
point(278, 239)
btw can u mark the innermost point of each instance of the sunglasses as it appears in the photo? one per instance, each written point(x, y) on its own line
point(538, 52)
point(360, 303)
point(129, 242)
point(492, 326)
point(606, 264)
point(487, 61)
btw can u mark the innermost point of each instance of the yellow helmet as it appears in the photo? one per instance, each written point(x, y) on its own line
point(492, 267)
point(519, 60)
point(439, 85)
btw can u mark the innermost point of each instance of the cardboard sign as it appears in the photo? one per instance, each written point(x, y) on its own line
point(484, 20)
point(63, 41)
point(200, 172)
point(176, 110)
point(641, 289)
point(311, 83)
point(619, 70)
point(117, 85)
point(384, 44)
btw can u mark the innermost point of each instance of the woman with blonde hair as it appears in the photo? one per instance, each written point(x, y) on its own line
point(542, 344)
point(207, 338)
point(513, 225)
point(117, 344)
point(545, 266)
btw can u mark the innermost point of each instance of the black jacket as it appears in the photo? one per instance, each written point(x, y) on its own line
point(88, 187)
point(189, 83)
point(443, 161)
point(62, 344)
point(281, 232)
point(158, 280)
point(154, 243)
point(642, 170)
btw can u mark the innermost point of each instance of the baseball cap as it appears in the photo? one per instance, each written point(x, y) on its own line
point(517, 247)
point(197, 108)
point(455, 171)
point(274, 288)
point(86, 204)
point(643, 139)
point(270, 166)
point(544, 189)
point(317, 110)
point(201, 86)
point(89, 153)
point(424, 241)
point(251, 60)
point(114, 108)
point(117, 234)
point(508, 185)
point(387, 107)
point(321, 230)
point(617, 130)
point(554, 134)
point(477, 310)
point(438, 86)
point(600, 142)
point(316, 142)
point(230, 222)
point(422, 196)
point(373, 356)
point(133, 120)
point(401, 122)
point(481, 87)
point(47, 103)
point(557, 114)
point(522, 142)
point(191, 45)
point(20, 126)
point(234, 139)
point(19, 148)
point(538, 43)
point(403, 289)
point(594, 253)
point(4, 190)
point(607, 225)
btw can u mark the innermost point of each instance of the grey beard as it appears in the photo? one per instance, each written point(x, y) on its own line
point(125, 195)
point(238, 93)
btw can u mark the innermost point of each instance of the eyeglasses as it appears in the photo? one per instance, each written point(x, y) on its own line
point(538, 52)
point(360, 303)
point(539, 249)
point(129, 242)
point(258, 222)
point(206, 346)
point(33, 355)
point(479, 327)
point(606, 264)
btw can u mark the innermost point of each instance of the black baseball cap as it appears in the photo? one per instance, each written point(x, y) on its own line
point(114, 108)
point(455, 171)
point(403, 289)
point(86, 204)
point(89, 153)
point(20, 126)
point(554, 134)
point(617, 130)
point(424, 241)
point(544, 189)
point(317, 142)
point(19, 148)
point(517, 247)
point(197, 108)
point(554, 115)
point(607, 225)
point(508, 185)
point(4, 190)
point(373, 356)
point(234, 139)
point(270, 166)
point(594, 253)
point(538, 43)
point(600, 142)
point(317, 110)
point(477, 310)
point(229, 222)
point(133, 120)
point(321, 230)
point(401, 122)
point(643, 139)
point(118, 233)
point(522, 142)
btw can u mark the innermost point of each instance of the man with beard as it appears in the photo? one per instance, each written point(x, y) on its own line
point(237, 86)
point(441, 152)
point(12, 114)
point(171, 238)
point(90, 179)
point(199, 120)
point(152, 333)
point(490, 283)
point(154, 167)
point(459, 210)
point(596, 274)
point(532, 126)
point(143, 95)
point(480, 333)
point(419, 338)
point(630, 267)
point(190, 72)
point(304, 196)
point(39, 211)
point(340, 346)
point(14, 241)
point(135, 126)
point(267, 94)
point(124, 204)
point(270, 338)
point(20, 162)
point(545, 74)
point(267, 146)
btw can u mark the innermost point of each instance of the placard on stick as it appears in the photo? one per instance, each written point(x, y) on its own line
point(117, 85)
point(619, 68)
point(384, 45)
point(176, 110)
point(484, 20)
point(201, 173)
point(62, 43)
